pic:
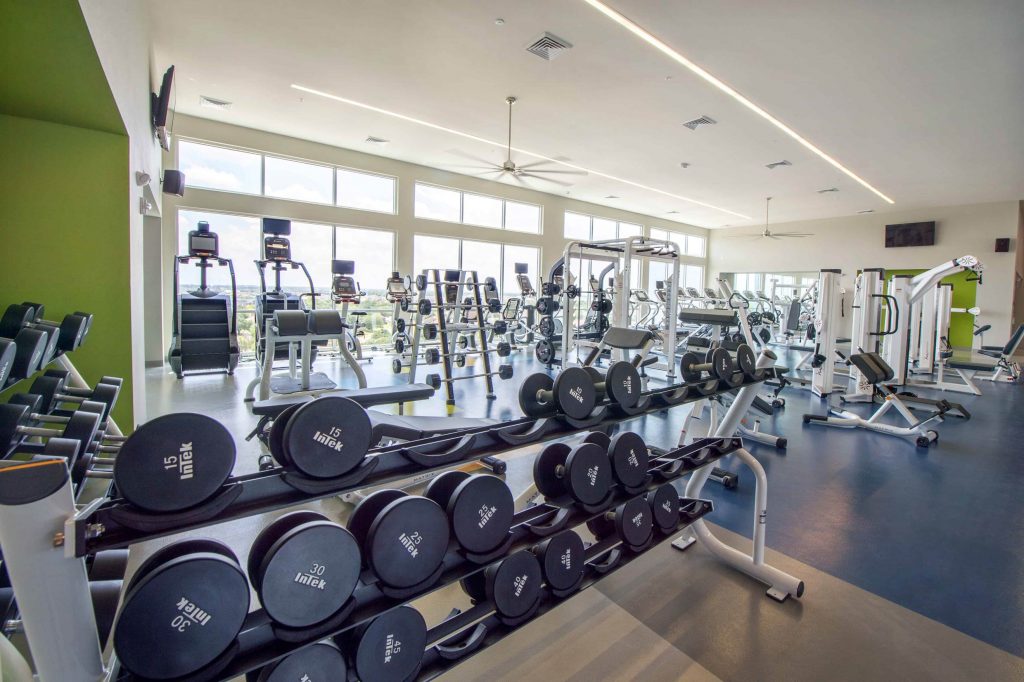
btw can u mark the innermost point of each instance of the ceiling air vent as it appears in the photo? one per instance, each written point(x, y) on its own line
point(828, 190)
point(377, 140)
point(548, 46)
point(213, 103)
point(701, 121)
point(773, 166)
point(868, 210)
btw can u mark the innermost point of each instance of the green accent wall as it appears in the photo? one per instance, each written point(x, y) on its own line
point(64, 185)
point(961, 325)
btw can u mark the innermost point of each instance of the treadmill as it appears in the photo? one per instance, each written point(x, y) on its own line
point(205, 333)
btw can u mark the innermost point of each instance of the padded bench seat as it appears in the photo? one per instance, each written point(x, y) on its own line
point(971, 362)
point(709, 316)
point(626, 338)
point(405, 427)
point(367, 397)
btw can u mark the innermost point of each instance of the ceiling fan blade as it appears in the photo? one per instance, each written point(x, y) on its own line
point(545, 179)
point(532, 167)
point(474, 168)
point(794, 234)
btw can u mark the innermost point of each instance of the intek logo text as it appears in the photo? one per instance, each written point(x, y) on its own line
point(392, 647)
point(485, 515)
point(331, 439)
point(182, 462)
point(189, 613)
point(577, 393)
point(520, 584)
point(313, 577)
point(411, 542)
point(592, 475)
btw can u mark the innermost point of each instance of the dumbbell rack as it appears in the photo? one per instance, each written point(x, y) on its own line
point(449, 332)
point(48, 576)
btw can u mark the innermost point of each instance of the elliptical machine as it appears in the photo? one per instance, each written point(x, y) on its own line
point(205, 336)
point(277, 255)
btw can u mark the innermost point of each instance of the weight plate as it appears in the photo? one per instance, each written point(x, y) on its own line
point(8, 351)
point(441, 487)
point(276, 435)
point(400, 325)
point(622, 384)
point(561, 559)
point(545, 351)
point(327, 437)
point(390, 649)
point(746, 361)
point(547, 326)
point(366, 511)
point(722, 364)
point(404, 305)
point(529, 402)
point(574, 392)
point(174, 462)
point(545, 470)
point(407, 541)
point(191, 607)
point(480, 510)
point(514, 587)
point(598, 438)
point(686, 364)
point(396, 364)
point(423, 307)
point(31, 346)
point(309, 573)
point(629, 457)
point(321, 661)
point(15, 317)
point(587, 473)
point(664, 501)
point(634, 522)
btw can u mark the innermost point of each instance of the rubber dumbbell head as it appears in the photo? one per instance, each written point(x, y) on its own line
point(583, 472)
point(664, 501)
point(562, 560)
point(390, 648)
point(321, 661)
point(511, 585)
point(324, 438)
point(629, 458)
point(632, 522)
point(479, 508)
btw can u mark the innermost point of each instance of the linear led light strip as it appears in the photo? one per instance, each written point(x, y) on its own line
point(668, 51)
point(502, 145)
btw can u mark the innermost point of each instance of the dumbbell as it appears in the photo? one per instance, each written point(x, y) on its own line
point(562, 561)
point(664, 501)
point(23, 354)
point(16, 423)
point(390, 648)
point(321, 661)
point(503, 372)
point(718, 365)
point(547, 306)
point(304, 568)
point(54, 391)
point(429, 328)
point(71, 331)
point(621, 383)
point(629, 457)
point(632, 522)
point(503, 350)
point(182, 611)
point(499, 327)
point(403, 537)
point(18, 317)
point(426, 306)
point(601, 305)
point(324, 438)
point(479, 508)
point(511, 586)
point(583, 472)
point(101, 440)
point(545, 351)
point(571, 392)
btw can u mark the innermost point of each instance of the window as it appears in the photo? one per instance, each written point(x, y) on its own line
point(374, 254)
point(694, 246)
point(480, 210)
point(210, 167)
point(521, 217)
point(693, 276)
point(437, 203)
point(365, 191)
point(688, 244)
point(581, 227)
point(518, 254)
point(434, 252)
point(483, 257)
point(287, 179)
point(313, 246)
point(453, 206)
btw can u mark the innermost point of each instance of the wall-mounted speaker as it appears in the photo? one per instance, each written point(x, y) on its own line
point(174, 183)
point(1003, 245)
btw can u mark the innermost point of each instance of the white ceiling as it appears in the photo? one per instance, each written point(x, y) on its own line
point(924, 99)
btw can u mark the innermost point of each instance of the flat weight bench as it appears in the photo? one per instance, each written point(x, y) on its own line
point(966, 366)
point(1006, 369)
point(367, 397)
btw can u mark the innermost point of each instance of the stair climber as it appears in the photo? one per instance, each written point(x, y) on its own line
point(205, 332)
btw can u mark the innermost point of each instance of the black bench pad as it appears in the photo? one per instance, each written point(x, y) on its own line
point(367, 397)
point(406, 427)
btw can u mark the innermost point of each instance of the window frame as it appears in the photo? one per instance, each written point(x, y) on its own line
point(462, 209)
point(361, 171)
point(590, 227)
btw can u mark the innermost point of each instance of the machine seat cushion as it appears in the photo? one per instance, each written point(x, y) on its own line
point(708, 316)
point(625, 338)
point(971, 362)
point(377, 395)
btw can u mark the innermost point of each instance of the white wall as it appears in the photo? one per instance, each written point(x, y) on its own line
point(120, 31)
point(403, 223)
point(855, 242)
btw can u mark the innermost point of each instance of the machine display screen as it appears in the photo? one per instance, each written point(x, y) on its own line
point(202, 245)
point(277, 249)
point(397, 288)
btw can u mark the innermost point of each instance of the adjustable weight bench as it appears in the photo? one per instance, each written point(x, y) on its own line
point(1006, 368)
point(876, 372)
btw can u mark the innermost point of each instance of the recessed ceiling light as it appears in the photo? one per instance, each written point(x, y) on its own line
point(680, 59)
point(504, 145)
point(214, 103)
point(685, 164)
point(377, 140)
point(499, 21)
point(867, 210)
point(776, 164)
point(828, 190)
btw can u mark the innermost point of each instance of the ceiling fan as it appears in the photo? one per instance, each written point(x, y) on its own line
point(768, 234)
point(518, 171)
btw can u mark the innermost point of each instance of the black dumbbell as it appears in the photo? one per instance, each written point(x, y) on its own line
point(429, 330)
point(547, 306)
point(545, 351)
point(390, 648)
point(511, 586)
point(632, 522)
point(16, 423)
point(629, 457)
point(664, 501)
point(562, 561)
point(570, 392)
point(304, 568)
point(621, 383)
point(18, 317)
point(182, 611)
point(102, 442)
point(583, 472)
point(479, 508)
point(436, 380)
point(324, 438)
point(22, 355)
point(499, 327)
point(403, 537)
point(321, 661)
point(54, 391)
point(719, 364)
point(71, 331)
